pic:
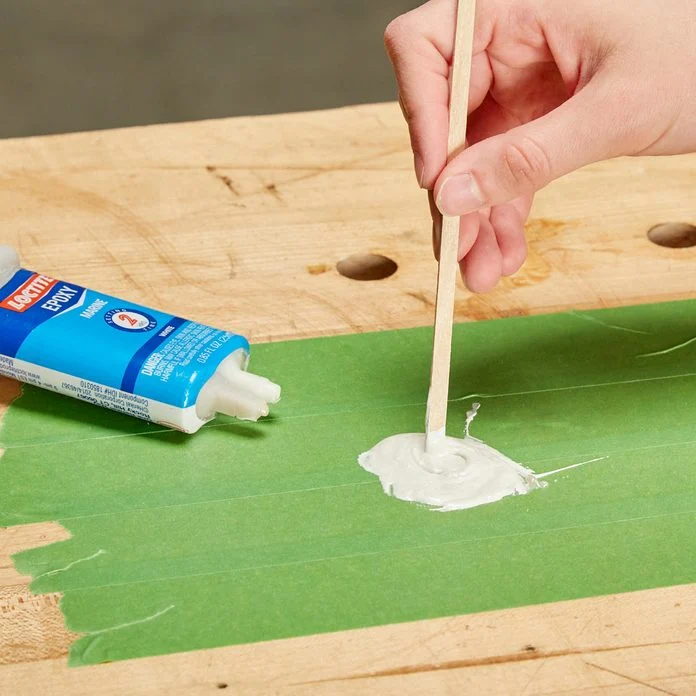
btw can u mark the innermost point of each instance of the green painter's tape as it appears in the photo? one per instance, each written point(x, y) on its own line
point(253, 532)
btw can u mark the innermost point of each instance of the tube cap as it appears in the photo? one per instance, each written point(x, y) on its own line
point(235, 392)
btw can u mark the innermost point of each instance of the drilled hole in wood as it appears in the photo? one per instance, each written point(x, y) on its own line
point(675, 235)
point(367, 267)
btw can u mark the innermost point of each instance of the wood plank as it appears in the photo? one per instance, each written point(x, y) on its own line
point(240, 223)
point(598, 645)
point(138, 213)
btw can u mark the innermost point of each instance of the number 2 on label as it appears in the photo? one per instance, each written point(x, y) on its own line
point(130, 320)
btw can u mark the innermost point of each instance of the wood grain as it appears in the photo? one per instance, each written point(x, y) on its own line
point(597, 646)
point(240, 223)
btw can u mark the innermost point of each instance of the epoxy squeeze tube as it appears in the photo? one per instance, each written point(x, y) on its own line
point(119, 355)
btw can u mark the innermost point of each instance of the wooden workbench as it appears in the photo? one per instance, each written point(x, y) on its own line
point(240, 223)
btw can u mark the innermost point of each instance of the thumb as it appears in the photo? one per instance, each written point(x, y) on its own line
point(496, 170)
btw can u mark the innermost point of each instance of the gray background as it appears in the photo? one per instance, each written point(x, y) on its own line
point(69, 65)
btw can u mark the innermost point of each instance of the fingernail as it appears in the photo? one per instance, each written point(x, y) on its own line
point(459, 194)
point(420, 168)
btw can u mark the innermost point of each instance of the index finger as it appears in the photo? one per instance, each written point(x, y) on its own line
point(420, 44)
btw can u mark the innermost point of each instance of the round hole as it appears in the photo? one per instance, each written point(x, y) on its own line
point(366, 267)
point(675, 235)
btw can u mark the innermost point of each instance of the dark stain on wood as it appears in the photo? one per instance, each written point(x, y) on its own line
point(273, 190)
point(422, 298)
point(523, 656)
point(229, 184)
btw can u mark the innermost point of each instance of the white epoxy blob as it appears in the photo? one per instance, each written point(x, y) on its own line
point(456, 473)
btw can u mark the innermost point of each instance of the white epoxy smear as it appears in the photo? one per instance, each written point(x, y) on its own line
point(455, 474)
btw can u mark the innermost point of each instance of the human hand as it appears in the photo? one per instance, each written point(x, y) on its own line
point(554, 86)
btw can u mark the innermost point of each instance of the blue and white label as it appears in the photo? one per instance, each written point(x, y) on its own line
point(95, 347)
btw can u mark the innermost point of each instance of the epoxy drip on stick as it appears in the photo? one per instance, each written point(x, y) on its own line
point(120, 355)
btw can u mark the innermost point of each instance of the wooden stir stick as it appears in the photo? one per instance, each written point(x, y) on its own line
point(436, 413)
